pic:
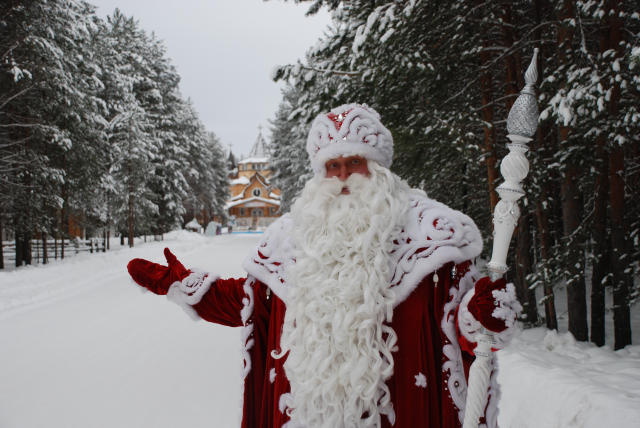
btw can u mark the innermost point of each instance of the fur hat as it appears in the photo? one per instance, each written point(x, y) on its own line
point(349, 130)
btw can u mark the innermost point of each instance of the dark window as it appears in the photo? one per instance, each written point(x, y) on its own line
point(256, 192)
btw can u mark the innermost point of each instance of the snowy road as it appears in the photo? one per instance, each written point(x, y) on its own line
point(82, 347)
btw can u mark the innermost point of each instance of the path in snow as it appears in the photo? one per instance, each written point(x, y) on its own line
point(84, 347)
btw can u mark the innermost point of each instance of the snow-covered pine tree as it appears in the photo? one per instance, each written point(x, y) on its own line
point(206, 172)
point(90, 127)
point(127, 88)
point(220, 177)
point(287, 151)
point(85, 121)
point(232, 164)
point(49, 110)
point(168, 183)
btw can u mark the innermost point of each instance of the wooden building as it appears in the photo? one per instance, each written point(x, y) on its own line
point(254, 202)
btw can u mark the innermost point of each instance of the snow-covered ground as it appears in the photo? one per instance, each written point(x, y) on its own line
point(81, 346)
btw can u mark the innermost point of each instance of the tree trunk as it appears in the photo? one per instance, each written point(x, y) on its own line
point(1, 247)
point(64, 226)
point(622, 276)
point(600, 247)
point(44, 248)
point(486, 92)
point(548, 298)
point(571, 206)
point(574, 265)
point(23, 248)
point(546, 137)
point(545, 141)
point(513, 61)
point(28, 254)
point(18, 250)
point(619, 251)
point(523, 268)
point(130, 219)
point(486, 89)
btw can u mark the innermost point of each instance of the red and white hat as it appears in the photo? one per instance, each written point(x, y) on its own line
point(349, 130)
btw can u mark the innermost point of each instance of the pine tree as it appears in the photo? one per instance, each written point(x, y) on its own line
point(287, 152)
point(45, 83)
point(206, 172)
point(130, 133)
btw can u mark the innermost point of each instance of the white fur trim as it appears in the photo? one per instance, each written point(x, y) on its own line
point(284, 402)
point(470, 327)
point(190, 290)
point(452, 365)
point(433, 235)
point(247, 331)
point(508, 306)
point(361, 133)
point(274, 253)
point(272, 375)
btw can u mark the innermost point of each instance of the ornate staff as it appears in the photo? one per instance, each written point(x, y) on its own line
point(522, 123)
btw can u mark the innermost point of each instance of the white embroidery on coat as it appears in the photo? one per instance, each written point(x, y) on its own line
point(190, 290)
point(421, 380)
point(452, 366)
point(246, 314)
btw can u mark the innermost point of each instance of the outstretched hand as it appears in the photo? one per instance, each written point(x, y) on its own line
point(155, 277)
point(494, 304)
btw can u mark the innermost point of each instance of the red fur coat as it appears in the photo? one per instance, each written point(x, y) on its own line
point(433, 271)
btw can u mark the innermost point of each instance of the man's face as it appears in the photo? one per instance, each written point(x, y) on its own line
point(343, 167)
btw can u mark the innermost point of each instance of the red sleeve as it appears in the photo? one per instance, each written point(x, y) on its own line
point(223, 302)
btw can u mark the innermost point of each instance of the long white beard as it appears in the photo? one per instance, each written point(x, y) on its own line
point(338, 308)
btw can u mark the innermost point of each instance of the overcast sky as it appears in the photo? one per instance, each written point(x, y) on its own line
point(225, 51)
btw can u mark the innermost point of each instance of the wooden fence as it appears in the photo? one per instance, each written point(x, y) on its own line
point(54, 249)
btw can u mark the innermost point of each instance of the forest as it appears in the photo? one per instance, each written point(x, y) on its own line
point(94, 132)
point(443, 76)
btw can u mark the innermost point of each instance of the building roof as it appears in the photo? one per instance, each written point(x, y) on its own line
point(258, 151)
point(232, 204)
point(193, 224)
point(240, 180)
point(254, 160)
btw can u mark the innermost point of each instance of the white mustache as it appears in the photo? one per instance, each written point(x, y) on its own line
point(334, 186)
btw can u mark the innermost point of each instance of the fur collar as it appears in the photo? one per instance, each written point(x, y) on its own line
point(433, 235)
